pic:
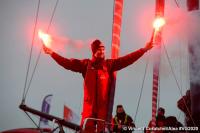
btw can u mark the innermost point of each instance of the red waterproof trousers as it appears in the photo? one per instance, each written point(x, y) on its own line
point(95, 97)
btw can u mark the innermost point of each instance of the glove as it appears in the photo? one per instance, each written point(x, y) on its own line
point(148, 46)
point(47, 50)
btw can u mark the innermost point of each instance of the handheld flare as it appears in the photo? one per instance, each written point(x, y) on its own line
point(46, 38)
point(158, 23)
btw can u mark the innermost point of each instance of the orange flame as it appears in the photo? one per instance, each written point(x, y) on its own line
point(46, 38)
point(158, 23)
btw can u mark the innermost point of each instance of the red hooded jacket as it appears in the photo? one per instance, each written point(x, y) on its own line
point(96, 74)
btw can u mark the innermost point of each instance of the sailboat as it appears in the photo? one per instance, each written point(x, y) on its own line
point(62, 122)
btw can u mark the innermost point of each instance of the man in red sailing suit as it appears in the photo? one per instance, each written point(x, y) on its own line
point(96, 73)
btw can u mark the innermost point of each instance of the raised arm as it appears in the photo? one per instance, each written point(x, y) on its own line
point(70, 64)
point(122, 62)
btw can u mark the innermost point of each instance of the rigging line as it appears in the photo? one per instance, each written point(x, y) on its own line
point(190, 115)
point(179, 115)
point(54, 129)
point(30, 56)
point(177, 3)
point(38, 57)
point(180, 63)
point(181, 79)
point(54, 10)
point(181, 71)
point(171, 68)
point(142, 87)
point(187, 67)
point(32, 120)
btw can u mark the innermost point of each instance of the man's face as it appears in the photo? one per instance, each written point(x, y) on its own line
point(161, 113)
point(120, 110)
point(100, 53)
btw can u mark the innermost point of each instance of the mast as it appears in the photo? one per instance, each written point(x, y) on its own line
point(159, 12)
point(116, 30)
